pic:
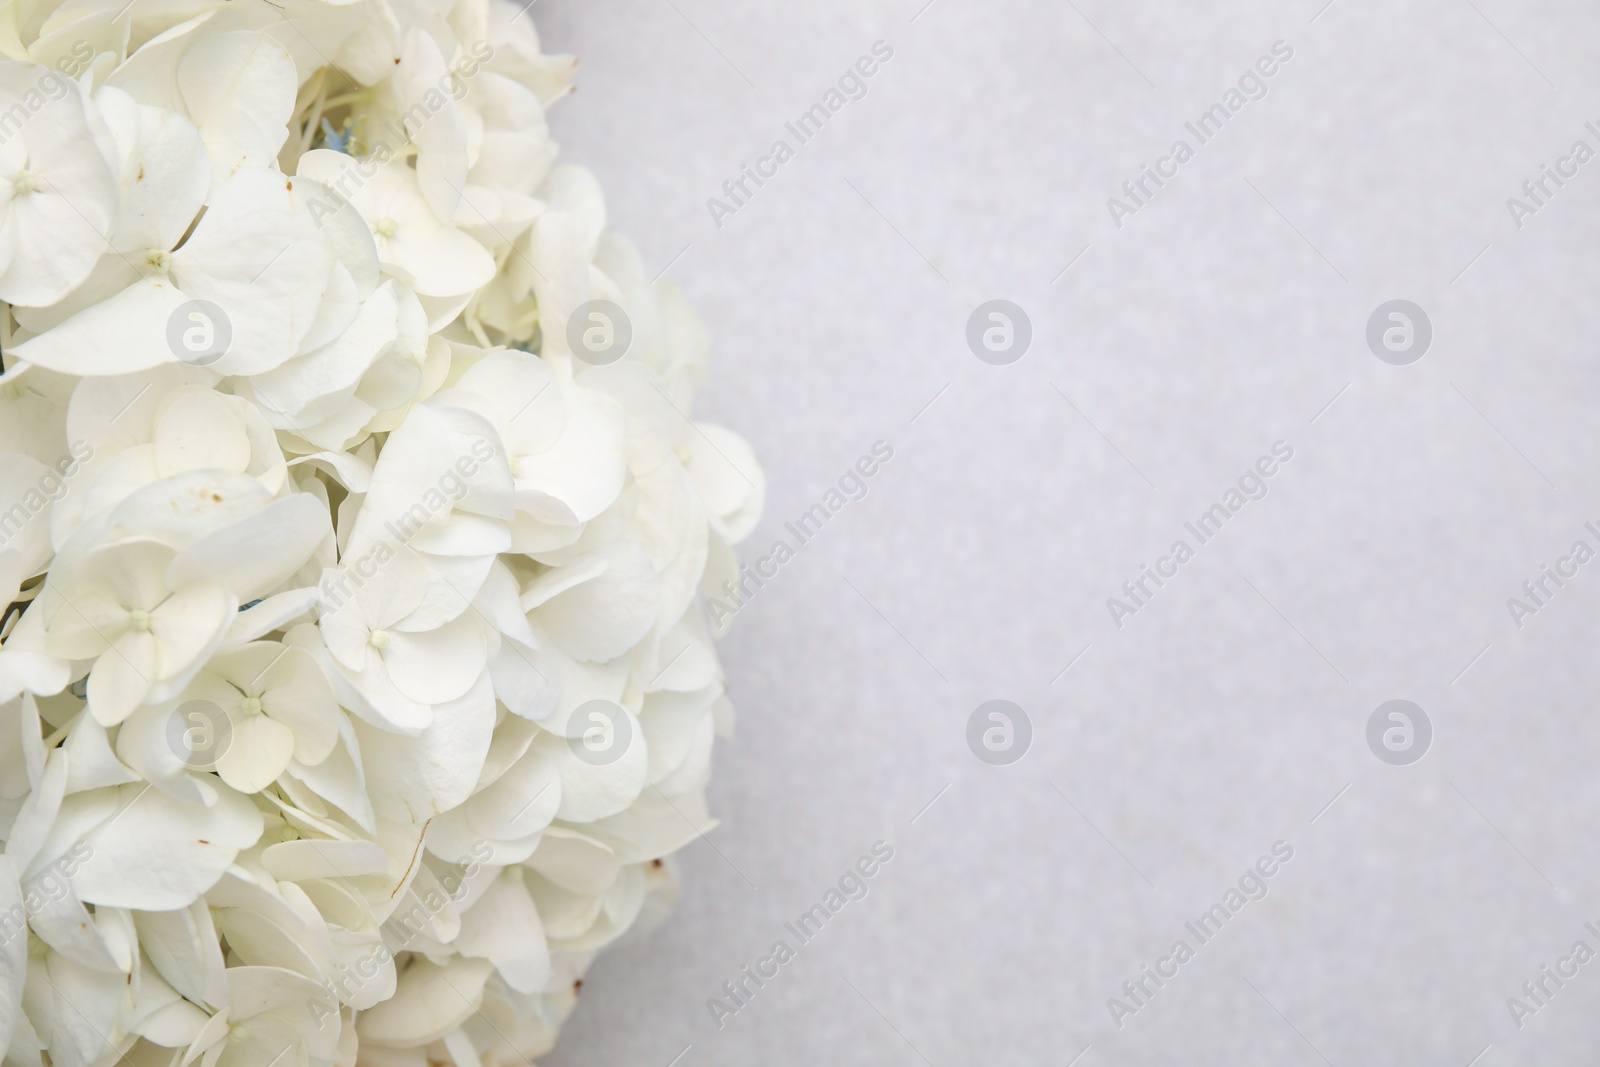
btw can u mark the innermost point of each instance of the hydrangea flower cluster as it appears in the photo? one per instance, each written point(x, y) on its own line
point(355, 684)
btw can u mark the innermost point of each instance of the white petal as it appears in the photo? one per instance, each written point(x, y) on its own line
point(435, 257)
point(73, 1008)
point(157, 854)
point(591, 791)
point(339, 779)
point(412, 779)
point(428, 1003)
point(559, 246)
point(275, 612)
point(258, 752)
point(576, 189)
point(521, 802)
point(143, 744)
point(201, 429)
point(92, 764)
point(730, 481)
point(27, 665)
point(654, 826)
point(688, 661)
point(691, 774)
point(13, 952)
point(30, 833)
point(503, 927)
point(439, 665)
point(257, 255)
point(167, 186)
point(63, 923)
point(581, 474)
point(188, 627)
point(181, 509)
point(605, 616)
point(183, 946)
point(336, 367)
point(150, 74)
point(566, 914)
point(254, 556)
point(440, 135)
point(275, 995)
point(345, 231)
point(117, 336)
point(521, 685)
point(240, 90)
point(53, 236)
point(300, 860)
point(25, 511)
point(575, 861)
point(163, 1017)
point(123, 677)
point(259, 940)
point(670, 721)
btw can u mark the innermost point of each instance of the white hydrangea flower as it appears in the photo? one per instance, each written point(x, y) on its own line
point(58, 185)
point(354, 691)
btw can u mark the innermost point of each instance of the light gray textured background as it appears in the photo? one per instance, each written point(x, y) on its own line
point(1231, 711)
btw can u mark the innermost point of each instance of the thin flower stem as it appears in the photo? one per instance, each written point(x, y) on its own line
point(55, 738)
point(315, 118)
point(346, 98)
